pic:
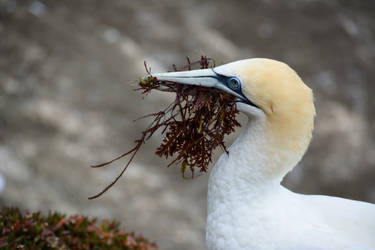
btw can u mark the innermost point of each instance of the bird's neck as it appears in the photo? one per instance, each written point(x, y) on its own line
point(255, 160)
point(244, 182)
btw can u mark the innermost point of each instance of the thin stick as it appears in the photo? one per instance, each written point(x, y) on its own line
point(119, 176)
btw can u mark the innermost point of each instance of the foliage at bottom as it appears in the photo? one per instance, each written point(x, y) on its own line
point(57, 231)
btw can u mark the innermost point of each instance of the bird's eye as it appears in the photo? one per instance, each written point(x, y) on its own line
point(234, 83)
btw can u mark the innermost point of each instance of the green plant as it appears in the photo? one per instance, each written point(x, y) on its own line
point(57, 231)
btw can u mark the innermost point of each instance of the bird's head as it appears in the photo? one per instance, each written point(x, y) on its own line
point(266, 90)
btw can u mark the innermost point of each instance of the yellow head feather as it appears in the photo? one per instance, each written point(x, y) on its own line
point(286, 101)
point(281, 94)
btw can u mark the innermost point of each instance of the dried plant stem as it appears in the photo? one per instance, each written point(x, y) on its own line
point(193, 125)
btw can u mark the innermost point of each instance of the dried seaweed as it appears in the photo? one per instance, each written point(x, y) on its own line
point(192, 126)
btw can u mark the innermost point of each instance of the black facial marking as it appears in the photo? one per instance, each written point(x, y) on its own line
point(226, 80)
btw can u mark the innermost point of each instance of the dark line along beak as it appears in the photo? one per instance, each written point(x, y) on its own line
point(204, 77)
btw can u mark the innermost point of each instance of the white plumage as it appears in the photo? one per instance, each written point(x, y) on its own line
point(248, 211)
point(247, 208)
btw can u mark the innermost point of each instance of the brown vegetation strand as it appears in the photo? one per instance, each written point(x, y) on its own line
point(192, 126)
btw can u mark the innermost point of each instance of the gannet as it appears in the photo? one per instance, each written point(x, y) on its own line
point(247, 207)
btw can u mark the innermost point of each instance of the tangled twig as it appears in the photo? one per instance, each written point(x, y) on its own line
point(192, 126)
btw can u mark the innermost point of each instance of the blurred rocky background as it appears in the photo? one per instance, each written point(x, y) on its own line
point(67, 74)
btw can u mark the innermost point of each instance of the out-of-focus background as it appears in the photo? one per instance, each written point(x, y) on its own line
point(67, 70)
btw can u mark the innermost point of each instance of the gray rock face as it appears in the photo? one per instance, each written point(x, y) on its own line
point(67, 74)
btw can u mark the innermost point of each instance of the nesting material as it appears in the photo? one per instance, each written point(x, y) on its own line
point(192, 126)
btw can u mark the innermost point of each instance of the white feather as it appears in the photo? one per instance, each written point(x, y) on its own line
point(248, 210)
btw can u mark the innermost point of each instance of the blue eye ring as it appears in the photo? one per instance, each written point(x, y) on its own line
point(234, 83)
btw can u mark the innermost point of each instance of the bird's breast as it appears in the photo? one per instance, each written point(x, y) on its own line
point(240, 210)
point(242, 221)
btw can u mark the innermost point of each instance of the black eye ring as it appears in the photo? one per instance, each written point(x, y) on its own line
point(234, 83)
